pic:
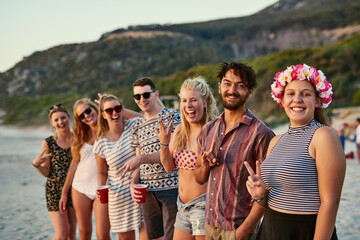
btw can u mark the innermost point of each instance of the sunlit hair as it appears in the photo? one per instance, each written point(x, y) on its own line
point(57, 108)
point(210, 112)
point(82, 132)
point(102, 124)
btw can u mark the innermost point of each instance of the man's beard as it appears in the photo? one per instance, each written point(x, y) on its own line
point(236, 105)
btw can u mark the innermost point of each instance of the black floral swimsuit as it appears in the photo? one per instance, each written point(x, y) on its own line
point(59, 165)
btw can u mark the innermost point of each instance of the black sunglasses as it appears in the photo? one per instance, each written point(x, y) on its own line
point(146, 95)
point(87, 112)
point(60, 105)
point(117, 109)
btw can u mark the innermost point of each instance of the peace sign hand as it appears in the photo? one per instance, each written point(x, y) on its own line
point(98, 100)
point(43, 157)
point(255, 185)
point(208, 157)
point(164, 134)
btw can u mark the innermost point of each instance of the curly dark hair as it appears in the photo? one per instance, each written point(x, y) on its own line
point(246, 73)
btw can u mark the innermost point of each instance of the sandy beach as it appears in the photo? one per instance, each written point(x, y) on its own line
point(23, 213)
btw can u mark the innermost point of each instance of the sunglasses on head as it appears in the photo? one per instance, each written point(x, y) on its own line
point(60, 105)
point(146, 95)
point(117, 109)
point(87, 112)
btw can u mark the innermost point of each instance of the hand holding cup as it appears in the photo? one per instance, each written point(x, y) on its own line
point(102, 193)
point(139, 193)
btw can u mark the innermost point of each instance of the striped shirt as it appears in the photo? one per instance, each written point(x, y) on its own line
point(290, 172)
point(125, 215)
point(227, 199)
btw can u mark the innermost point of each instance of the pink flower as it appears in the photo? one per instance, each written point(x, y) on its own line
point(302, 72)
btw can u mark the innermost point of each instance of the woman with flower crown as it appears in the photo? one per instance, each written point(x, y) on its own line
point(300, 181)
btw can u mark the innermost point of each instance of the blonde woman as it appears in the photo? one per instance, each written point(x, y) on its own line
point(53, 163)
point(112, 150)
point(197, 107)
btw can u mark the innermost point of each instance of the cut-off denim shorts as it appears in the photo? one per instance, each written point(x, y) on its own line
point(190, 217)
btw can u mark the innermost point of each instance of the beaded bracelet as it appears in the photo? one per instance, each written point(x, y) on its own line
point(257, 200)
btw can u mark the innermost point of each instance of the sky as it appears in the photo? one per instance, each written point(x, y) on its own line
point(27, 26)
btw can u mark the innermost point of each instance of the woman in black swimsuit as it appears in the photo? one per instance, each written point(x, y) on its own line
point(53, 163)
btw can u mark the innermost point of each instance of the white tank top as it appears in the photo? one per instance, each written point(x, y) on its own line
point(85, 178)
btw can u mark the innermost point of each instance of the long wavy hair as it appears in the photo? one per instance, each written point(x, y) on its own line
point(102, 124)
point(81, 131)
point(210, 112)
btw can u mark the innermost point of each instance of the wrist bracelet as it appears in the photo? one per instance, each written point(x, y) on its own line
point(257, 200)
point(35, 165)
point(165, 145)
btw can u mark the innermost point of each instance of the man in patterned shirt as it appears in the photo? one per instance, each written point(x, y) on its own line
point(226, 142)
point(160, 208)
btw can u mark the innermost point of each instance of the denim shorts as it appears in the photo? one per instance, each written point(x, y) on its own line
point(190, 217)
point(159, 210)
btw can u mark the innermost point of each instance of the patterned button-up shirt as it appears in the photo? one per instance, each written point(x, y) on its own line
point(227, 199)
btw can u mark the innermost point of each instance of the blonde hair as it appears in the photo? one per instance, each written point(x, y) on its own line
point(57, 108)
point(102, 124)
point(210, 112)
point(82, 131)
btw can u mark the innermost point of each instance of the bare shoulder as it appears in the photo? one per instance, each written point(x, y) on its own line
point(44, 145)
point(274, 140)
point(325, 134)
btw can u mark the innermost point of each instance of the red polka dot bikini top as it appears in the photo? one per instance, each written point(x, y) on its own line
point(185, 159)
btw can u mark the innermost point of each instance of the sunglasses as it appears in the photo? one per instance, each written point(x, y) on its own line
point(117, 109)
point(60, 105)
point(87, 112)
point(146, 95)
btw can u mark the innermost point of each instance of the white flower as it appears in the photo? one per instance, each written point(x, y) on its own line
point(321, 85)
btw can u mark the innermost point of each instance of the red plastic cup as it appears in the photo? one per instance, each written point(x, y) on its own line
point(103, 193)
point(350, 155)
point(141, 188)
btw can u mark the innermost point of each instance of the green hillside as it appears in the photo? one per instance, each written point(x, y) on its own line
point(339, 62)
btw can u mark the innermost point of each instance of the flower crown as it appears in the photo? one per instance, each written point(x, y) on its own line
point(302, 72)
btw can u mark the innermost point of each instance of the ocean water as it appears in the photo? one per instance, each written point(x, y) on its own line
point(23, 213)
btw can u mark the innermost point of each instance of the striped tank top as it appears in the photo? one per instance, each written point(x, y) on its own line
point(289, 172)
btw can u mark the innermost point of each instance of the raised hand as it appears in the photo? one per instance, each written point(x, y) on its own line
point(98, 100)
point(43, 157)
point(255, 185)
point(208, 157)
point(163, 134)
